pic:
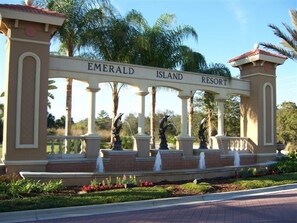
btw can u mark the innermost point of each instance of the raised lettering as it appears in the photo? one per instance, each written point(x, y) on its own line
point(111, 68)
point(97, 66)
point(90, 66)
point(118, 70)
point(105, 68)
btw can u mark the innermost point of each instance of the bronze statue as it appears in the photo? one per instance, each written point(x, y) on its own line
point(162, 129)
point(117, 126)
point(201, 134)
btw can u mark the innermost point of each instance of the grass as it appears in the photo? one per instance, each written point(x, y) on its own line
point(267, 181)
point(200, 188)
point(101, 197)
point(68, 199)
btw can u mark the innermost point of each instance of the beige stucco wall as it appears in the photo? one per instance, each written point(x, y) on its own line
point(27, 56)
point(258, 118)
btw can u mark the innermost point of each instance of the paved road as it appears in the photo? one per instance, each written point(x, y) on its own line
point(266, 205)
point(275, 207)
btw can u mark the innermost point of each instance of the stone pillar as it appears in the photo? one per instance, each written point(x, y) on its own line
point(92, 139)
point(184, 115)
point(141, 140)
point(92, 146)
point(258, 111)
point(92, 109)
point(141, 113)
point(184, 141)
point(28, 31)
point(221, 103)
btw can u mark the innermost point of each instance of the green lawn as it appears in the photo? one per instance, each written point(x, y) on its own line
point(101, 197)
point(48, 200)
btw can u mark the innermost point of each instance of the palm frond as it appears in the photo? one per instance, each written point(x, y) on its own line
point(288, 41)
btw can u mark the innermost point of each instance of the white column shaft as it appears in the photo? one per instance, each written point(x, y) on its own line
point(184, 115)
point(220, 117)
point(141, 113)
point(92, 110)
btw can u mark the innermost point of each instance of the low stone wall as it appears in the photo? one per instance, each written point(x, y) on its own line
point(127, 160)
point(83, 178)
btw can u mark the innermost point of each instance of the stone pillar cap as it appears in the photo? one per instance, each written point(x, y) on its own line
point(255, 55)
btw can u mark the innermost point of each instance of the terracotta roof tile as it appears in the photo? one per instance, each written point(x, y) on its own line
point(256, 52)
point(32, 9)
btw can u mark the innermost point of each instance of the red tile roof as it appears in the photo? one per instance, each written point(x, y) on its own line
point(32, 9)
point(256, 52)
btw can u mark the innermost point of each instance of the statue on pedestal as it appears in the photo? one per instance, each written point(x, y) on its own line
point(117, 126)
point(162, 129)
point(201, 134)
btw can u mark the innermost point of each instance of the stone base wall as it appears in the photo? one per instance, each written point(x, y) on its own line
point(127, 161)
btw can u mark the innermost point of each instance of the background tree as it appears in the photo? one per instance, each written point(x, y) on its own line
point(160, 46)
point(288, 41)
point(194, 62)
point(103, 121)
point(287, 123)
point(206, 101)
point(130, 125)
point(51, 87)
point(60, 123)
point(232, 116)
point(114, 39)
point(70, 34)
point(51, 121)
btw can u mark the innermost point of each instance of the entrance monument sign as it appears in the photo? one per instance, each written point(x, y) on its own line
point(28, 31)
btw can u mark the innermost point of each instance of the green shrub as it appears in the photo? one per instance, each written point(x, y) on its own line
point(202, 187)
point(52, 186)
point(127, 142)
point(287, 164)
point(21, 187)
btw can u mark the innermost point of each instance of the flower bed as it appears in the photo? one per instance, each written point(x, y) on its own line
point(108, 184)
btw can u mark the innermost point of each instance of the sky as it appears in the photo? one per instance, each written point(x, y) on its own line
point(226, 29)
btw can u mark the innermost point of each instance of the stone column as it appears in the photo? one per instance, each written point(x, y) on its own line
point(92, 109)
point(221, 103)
point(141, 113)
point(184, 115)
point(141, 140)
point(184, 141)
point(92, 139)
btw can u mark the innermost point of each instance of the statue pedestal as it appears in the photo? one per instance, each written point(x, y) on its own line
point(93, 145)
point(185, 143)
point(142, 145)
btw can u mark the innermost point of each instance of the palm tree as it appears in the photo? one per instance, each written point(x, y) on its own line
point(193, 62)
point(289, 41)
point(51, 86)
point(161, 47)
point(70, 34)
point(114, 39)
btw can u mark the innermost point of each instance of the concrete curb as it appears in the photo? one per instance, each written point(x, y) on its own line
point(55, 213)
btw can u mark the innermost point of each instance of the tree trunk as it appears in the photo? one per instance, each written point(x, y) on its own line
point(153, 121)
point(209, 116)
point(68, 116)
point(191, 113)
point(68, 107)
point(115, 106)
